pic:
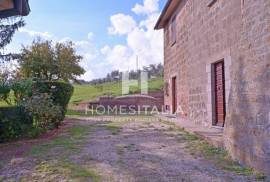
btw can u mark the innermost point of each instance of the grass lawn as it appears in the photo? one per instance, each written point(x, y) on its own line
point(3, 104)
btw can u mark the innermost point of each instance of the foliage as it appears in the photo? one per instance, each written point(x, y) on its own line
point(45, 61)
point(46, 102)
point(4, 93)
point(35, 111)
point(14, 123)
point(49, 103)
point(8, 27)
point(22, 90)
point(68, 61)
point(4, 75)
point(60, 92)
point(42, 105)
point(154, 71)
point(44, 112)
point(12, 120)
point(4, 85)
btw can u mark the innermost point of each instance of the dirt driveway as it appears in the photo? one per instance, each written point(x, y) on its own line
point(118, 149)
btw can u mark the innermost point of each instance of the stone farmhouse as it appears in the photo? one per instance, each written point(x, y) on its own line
point(217, 71)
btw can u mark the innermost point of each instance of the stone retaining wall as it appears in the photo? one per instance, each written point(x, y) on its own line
point(154, 100)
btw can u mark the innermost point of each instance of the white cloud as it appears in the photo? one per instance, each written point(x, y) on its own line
point(117, 57)
point(148, 7)
point(89, 53)
point(105, 50)
point(121, 24)
point(32, 33)
point(142, 40)
point(65, 39)
point(90, 35)
point(82, 43)
point(88, 76)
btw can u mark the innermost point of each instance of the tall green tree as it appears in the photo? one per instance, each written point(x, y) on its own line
point(8, 27)
point(45, 61)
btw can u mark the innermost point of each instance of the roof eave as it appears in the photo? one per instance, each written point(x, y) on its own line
point(158, 25)
point(168, 10)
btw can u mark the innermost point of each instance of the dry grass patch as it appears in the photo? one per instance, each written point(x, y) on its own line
point(66, 144)
point(62, 171)
point(114, 128)
point(220, 157)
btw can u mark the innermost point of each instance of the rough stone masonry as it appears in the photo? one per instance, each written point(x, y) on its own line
point(237, 32)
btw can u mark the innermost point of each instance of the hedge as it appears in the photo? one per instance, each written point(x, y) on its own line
point(14, 123)
point(60, 92)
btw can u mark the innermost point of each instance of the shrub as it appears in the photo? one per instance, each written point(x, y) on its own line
point(14, 123)
point(44, 112)
point(40, 106)
point(22, 90)
point(4, 93)
point(60, 93)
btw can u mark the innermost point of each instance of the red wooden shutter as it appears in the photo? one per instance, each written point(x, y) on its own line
point(220, 93)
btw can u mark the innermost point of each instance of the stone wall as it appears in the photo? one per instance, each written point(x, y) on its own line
point(247, 130)
point(238, 32)
point(153, 101)
point(205, 35)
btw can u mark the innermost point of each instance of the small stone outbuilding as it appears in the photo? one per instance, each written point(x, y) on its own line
point(217, 71)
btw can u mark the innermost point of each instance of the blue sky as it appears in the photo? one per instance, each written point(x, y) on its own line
point(109, 34)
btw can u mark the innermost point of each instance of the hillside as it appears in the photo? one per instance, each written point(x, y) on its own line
point(92, 92)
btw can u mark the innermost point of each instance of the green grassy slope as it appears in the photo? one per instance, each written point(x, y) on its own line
point(3, 104)
point(91, 92)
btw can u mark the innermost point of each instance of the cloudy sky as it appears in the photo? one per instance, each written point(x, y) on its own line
point(109, 34)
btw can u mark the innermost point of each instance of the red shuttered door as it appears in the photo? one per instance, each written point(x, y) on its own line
point(220, 93)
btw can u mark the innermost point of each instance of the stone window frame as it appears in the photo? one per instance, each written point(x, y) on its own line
point(242, 6)
point(211, 3)
point(226, 56)
point(173, 30)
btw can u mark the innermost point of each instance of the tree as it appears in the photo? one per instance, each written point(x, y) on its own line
point(8, 27)
point(4, 85)
point(45, 61)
